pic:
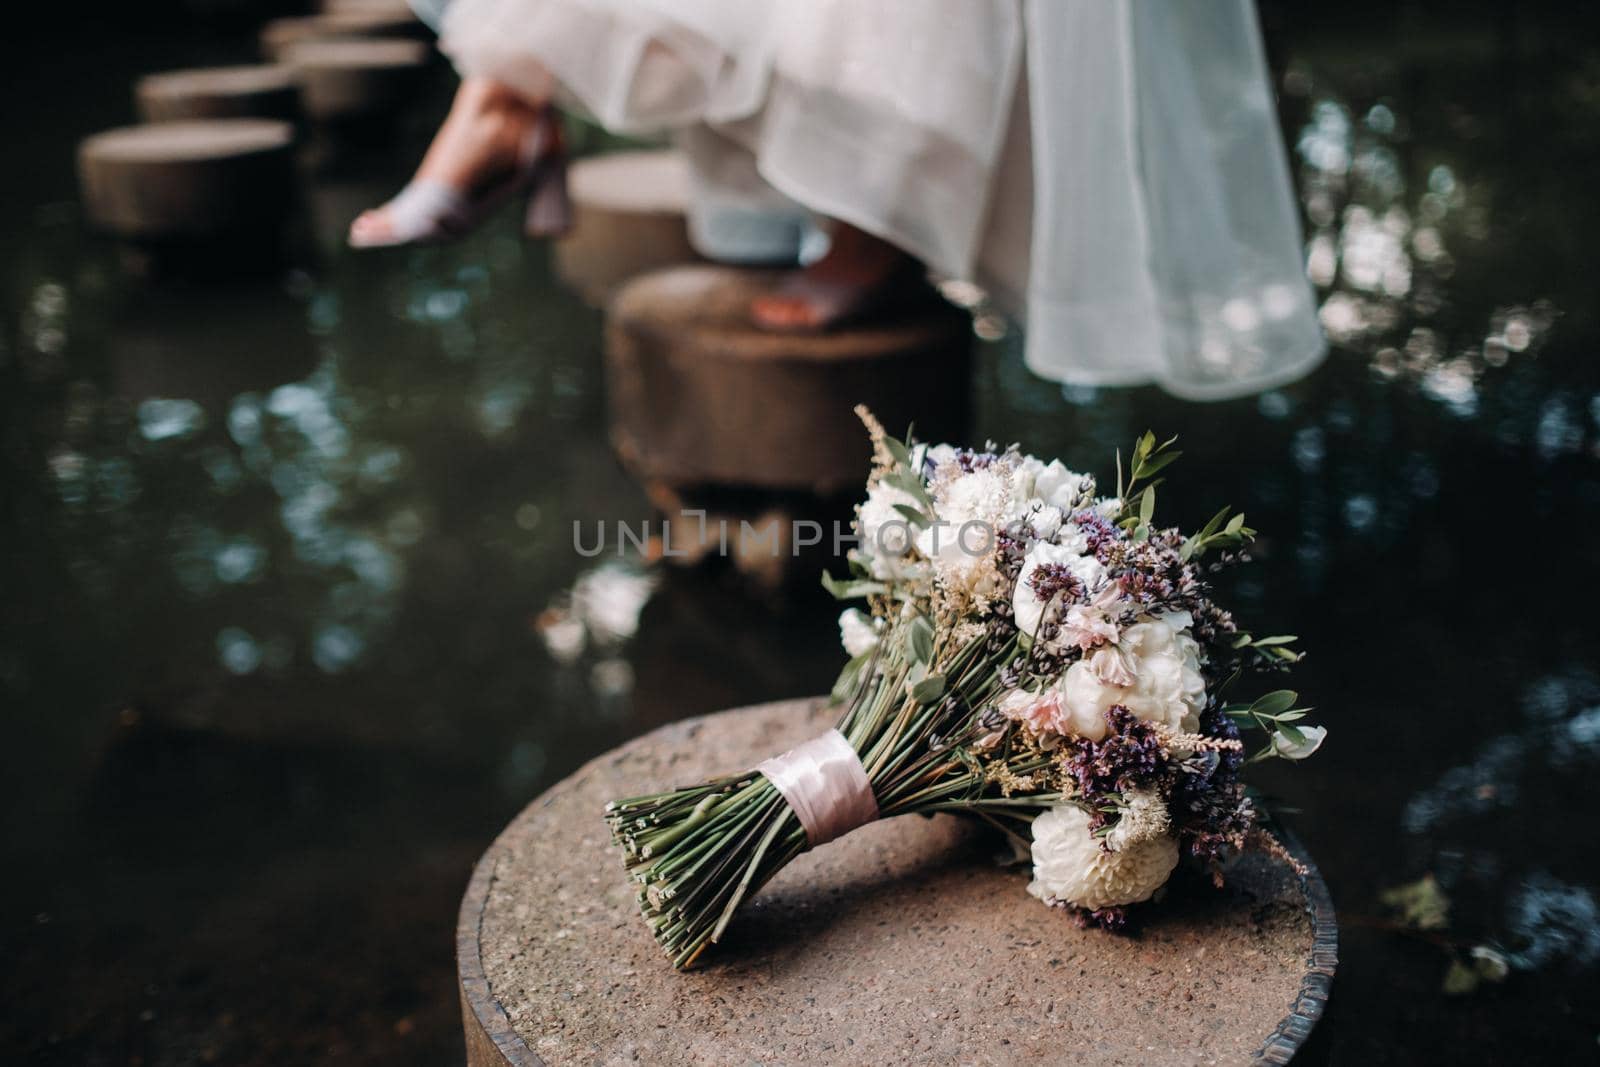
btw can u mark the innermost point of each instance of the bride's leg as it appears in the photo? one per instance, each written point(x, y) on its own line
point(858, 273)
point(479, 144)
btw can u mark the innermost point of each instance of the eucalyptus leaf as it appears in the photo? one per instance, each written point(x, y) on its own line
point(912, 515)
point(1273, 703)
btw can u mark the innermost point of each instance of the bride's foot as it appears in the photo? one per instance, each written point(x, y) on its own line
point(858, 274)
point(493, 143)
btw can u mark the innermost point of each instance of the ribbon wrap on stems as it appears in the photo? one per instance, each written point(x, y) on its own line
point(825, 785)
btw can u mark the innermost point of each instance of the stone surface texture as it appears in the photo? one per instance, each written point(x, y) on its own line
point(901, 942)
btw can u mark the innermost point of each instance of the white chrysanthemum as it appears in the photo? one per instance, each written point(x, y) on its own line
point(1167, 688)
point(1070, 867)
point(970, 508)
point(1027, 606)
point(886, 535)
point(857, 632)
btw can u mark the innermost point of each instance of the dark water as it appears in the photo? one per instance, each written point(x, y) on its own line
point(290, 620)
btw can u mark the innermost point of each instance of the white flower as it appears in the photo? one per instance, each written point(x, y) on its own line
point(1110, 666)
point(1046, 522)
point(1058, 486)
point(886, 535)
point(934, 454)
point(857, 632)
point(1288, 748)
point(1026, 605)
point(969, 508)
point(1144, 818)
point(1167, 687)
point(1091, 625)
point(1070, 867)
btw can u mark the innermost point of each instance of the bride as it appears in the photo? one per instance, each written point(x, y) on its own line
point(1110, 171)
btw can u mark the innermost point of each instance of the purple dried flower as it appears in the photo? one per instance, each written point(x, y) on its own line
point(1113, 920)
point(1050, 580)
point(1128, 757)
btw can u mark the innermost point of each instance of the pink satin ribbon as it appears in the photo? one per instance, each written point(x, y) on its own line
point(826, 786)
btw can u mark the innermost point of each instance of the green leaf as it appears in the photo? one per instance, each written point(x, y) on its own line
point(1147, 506)
point(898, 450)
point(1157, 464)
point(851, 590)
point(1268, 642)
point(1293, 733)
point(847, 676)
point(929, 689)
point(910, 483)
point(920, 637)
point(1272, 703)
point(912, 515)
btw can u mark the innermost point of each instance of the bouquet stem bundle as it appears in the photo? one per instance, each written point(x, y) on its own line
point(697, 853)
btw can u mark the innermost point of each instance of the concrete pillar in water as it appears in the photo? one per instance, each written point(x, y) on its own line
point(218, 188)
point(280, 35)
point(349, 81)
point(264, 91)
point(700, 396)
point(852, 949)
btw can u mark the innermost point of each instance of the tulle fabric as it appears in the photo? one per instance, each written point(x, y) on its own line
point(1111, 170)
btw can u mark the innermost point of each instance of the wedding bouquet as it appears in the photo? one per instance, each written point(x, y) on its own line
point(1031, 654)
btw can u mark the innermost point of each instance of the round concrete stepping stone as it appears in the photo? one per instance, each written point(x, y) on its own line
point(630, 214)
point(279, 35)
point(353, 80)
point(266, 91)
point(701, 396)
point(188, 181)
point(898, 943)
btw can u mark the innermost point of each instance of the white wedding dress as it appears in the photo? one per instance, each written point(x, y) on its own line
point(1110, 171)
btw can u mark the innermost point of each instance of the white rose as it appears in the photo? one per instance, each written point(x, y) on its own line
point(1046, 522)
point(1070, 867)
point(1026, 605)
point(857, 632)
point(1288, 748)
point(1167, 687)
point(1058, 486)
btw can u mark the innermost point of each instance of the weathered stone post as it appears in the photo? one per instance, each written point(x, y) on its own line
point(758, 429)
point(902, 942)
point(218, 190)
point(265, 91)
